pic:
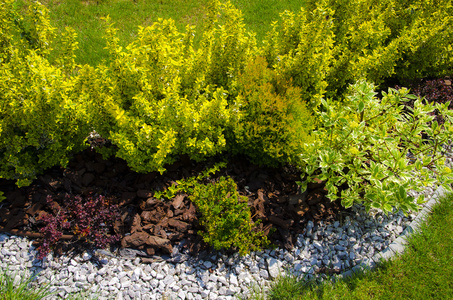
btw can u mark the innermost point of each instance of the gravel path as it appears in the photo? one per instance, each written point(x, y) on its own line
point(356, 240)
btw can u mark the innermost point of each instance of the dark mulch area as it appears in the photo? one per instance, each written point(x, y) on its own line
point(273, 196)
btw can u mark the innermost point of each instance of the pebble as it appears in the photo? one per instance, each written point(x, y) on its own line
point(274, 267)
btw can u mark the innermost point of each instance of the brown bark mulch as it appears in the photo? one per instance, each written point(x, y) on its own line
point(154, 226)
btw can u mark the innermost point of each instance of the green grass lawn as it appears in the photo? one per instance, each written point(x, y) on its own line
point(85, 16)
point(424, 271)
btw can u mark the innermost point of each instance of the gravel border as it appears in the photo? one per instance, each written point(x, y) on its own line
point(398, 246)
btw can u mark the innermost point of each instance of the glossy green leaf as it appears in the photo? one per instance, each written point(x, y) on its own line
point(361, 106)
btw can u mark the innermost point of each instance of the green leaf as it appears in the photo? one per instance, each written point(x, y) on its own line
point(371, 196)
point(411, 96)
point(361, 106)
point(418, 165)
point(334, 179)
point(343, 121)
point(421, 199)
point(332, 197)
point(402, 192)
point(387, 207)
point(331, 187)
point(357, 179)
point(375, 205)
point(303, 185)
point(434, 126)
point(347, 202)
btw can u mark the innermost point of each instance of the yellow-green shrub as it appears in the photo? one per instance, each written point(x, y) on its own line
point(424, 29)
point(226, 217)
point(225, 46)
point(41, 119)
point(160, 97)
point(362, 48)
point(24, 30)
point(224, 214)
point(380, 39)
point(330, 44)
point(300, 49)
point(274, 121)
point(145, 110)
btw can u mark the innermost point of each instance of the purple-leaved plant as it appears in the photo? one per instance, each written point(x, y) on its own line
point(90, 220)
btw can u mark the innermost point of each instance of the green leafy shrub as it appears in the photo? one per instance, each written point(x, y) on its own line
point(226, 217)
point(274, 121)
point(300, 49)
point(24, 30)
point(373, 151)
point(225, 46)
point(42, 119)
point(362, 44)
point(424, 30)
point(159, 98)
point(330, 44)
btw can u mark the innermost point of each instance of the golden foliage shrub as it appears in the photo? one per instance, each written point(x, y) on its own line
point(274, 122)
point(330, 44)
point(42, 121)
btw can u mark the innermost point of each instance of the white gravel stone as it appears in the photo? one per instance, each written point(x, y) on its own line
point(264, 274)
point(234, 280)
point(274, 267)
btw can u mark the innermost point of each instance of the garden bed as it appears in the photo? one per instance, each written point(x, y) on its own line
point(273, 196)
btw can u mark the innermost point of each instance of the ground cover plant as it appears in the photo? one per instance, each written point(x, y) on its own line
point(89, 219)
point(423, 271)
